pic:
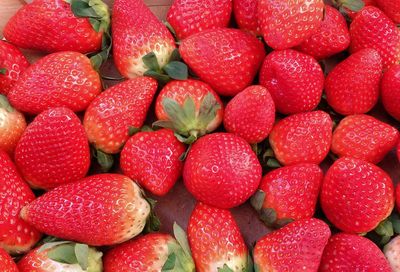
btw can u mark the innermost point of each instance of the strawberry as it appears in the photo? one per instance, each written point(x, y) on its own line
point(250, 114)
point(349, 252)
point(63, 79)
point(190, 17)
point(221, 170)
point(7, 263)
point(295, 80)
point(12, 64)
point(392, 253)
point(16, 236)
point(371, 28)
point(216, 241)
point(287, 24)
point(302, 137)
point(352, 87)
point(58, 25)
point(53, 150)
point(356, 195)
point(227, 59)
point(295, 247)
point(103, 209)
point(245, 12)
point(152, 160)
point(390, 91)
point(363, 137)
point(391, 9)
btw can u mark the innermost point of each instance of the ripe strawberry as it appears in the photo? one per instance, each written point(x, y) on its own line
point(245, 12)
point(352, 87)
point(295, 247)
point(221, 170)
point(53, 150)
point(391, 9)
point(287, 24)
point(103, 209)
point(302, 137)
point(12, 64)
point(7, 263)
point(16, 236)
point(63, 79)
point(356, 195)
point(216, 241)
point(371, 28)
point(190, 17)
point(390, 91)
point(227, 59)
point(349, 252)
point(250, 114)
point(295, 81)
point(392, 253)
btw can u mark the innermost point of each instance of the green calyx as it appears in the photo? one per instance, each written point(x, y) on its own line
point(5, 104)
point(3, 71)
point(153, 222)
point(388, 228)
point(353, 5)
point(106, 161)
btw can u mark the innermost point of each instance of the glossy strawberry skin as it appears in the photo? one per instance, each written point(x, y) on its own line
point(295, 81)
point(390, 91)
point(391, 9)
point(302, 137)
point(221, 170)
point(245, 12)
point(53, 149)
point(6, 262)
point(209, 55)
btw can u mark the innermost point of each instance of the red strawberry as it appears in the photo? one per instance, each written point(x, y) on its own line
point(250, 114)
point(12, 64)
point(286, 24)
point(392, 253)
point(16, 236)
point(356, 195)
point(302, 137)
point(221, 170)
point(189, 17)
point(371, 28)
point(295, 247)
point(53, 149)
point(352, 87)
point(363, 137)
point(245, 12)
point(216, 241)
point(349, 252)
point(295, 81)
point(391, 8)
point(390, 91)
point(57, 25)
point(63, 79)
point(7, 263)
point(103, 209)
point(227, 59)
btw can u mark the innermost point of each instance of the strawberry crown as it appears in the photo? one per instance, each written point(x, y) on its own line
point(4, 104)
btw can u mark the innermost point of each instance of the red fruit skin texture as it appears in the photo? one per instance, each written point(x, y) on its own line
point(352, 87)
point(348, 253)
point(390, 91)
point(364, 137)
point(302, 137)
point(111, 114)
point(6, 262)
point(227, 59)
point(391, 9)
point(371, 28)
point(190, 17)
point(356, 195)
point(221, 170)
point(294, 79)
point(245, 12)
point(50, 26)
point(285, 24)
point(53, 149)
point(296, 247)
point(332, 37)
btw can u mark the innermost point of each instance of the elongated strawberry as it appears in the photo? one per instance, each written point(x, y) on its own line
point(391, 9)
point(53, 150)
point(295, 81)
point(390, 91)
point(295, 247)
point(245, 12)
point(7, 264)
point(227, 59)
point(392, 253)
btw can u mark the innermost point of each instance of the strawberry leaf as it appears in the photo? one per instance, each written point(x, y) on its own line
point(161, 78)
point(170, 263)
point(175, 56)
point(153, 222)
point(268, 216)
point(225, 268)
point(105, 160)
point(64, 253)
point(176, 70)
point(51, 245)
point(3, 71)
point(150, 60)
point(82, 255)
point(133, 130)
point(5, 104)
point(181, 237)
point(385, 229)
point(257, 200)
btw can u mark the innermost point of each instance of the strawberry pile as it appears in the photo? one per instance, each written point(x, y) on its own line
point(288, 106)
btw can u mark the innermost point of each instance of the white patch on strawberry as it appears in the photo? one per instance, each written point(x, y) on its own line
point(392, 253)
point(236, 263)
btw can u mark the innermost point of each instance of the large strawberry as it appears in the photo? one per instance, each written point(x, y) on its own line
point(295, 247)
point(63, 79)
point(390, 91)
point(227, 59)
point(391, 9)
point(302, 137)
point(53, 149)
point(295, 80)
point(7, 264)
point(352, 87)
point(222, 170)
point(245, 12)
point(392, 253)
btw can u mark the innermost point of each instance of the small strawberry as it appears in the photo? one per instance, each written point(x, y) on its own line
point(352, 87)
point(227, 59)
point(295, 80)
point(302, 137)
point(53, 150)
point(245, 12)
point(390, 91)
point(392, 253)
point(391, 9)
point(221, 170)
point(295, 247)
point(7, 264)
